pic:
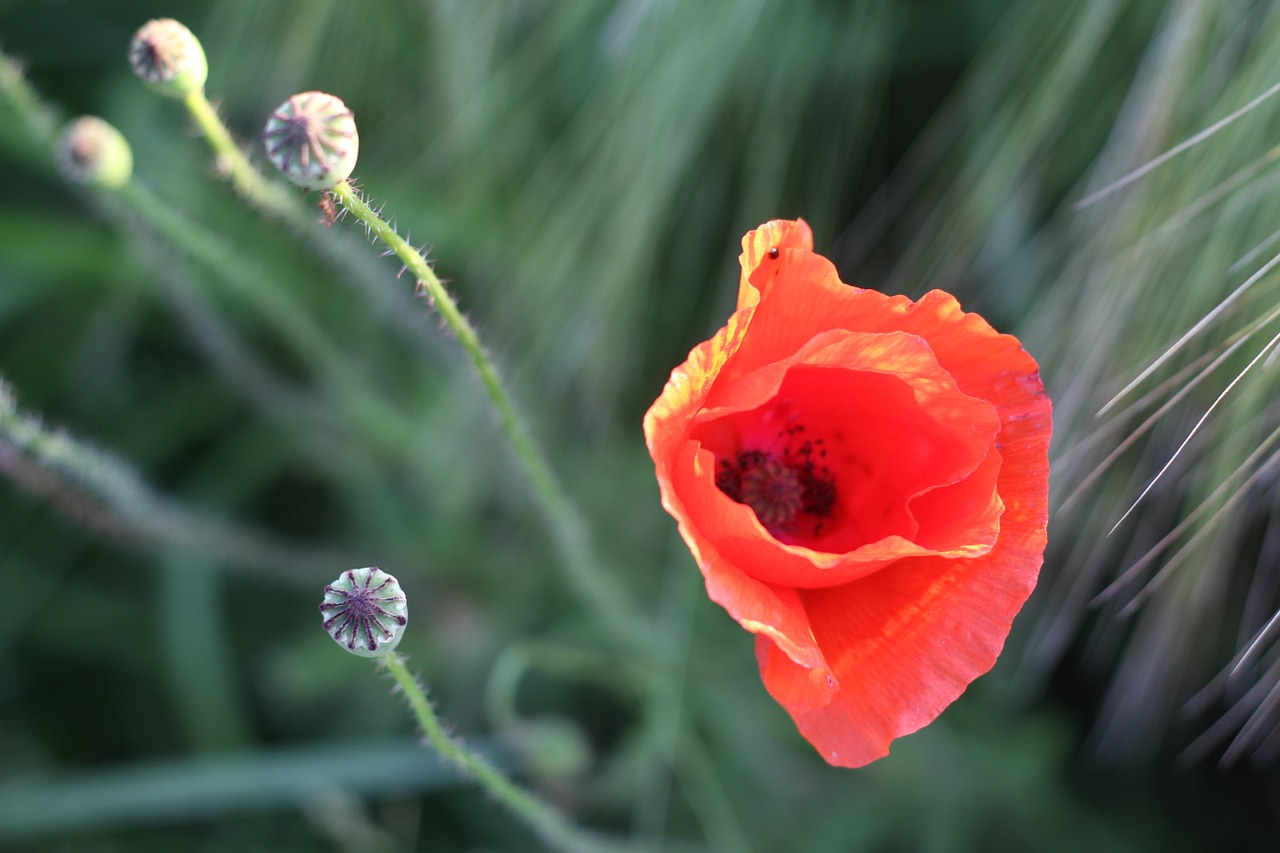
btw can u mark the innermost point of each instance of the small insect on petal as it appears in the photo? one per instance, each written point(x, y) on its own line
point(93, 153)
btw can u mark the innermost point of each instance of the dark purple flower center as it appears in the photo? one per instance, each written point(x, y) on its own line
point(788, 487)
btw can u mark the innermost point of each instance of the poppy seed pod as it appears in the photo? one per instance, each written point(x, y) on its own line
point(365, 611)
point(168, 58)
point(312, 139)
point(92, 152)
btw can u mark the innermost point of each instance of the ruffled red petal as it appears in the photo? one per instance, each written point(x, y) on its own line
point(912, 447)
point(905, 642)
point(758, 607)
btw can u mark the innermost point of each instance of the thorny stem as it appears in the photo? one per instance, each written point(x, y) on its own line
point(597, 591)
point(549, 825)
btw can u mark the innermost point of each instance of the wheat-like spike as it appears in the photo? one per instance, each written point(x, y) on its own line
point(1195, 429)
point(1150, 165)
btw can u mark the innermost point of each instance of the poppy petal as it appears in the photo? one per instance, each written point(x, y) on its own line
point(935, 438)
point(905, 642)
point(775, 237)
point(793, 686)
point(756, 606)
point(761, 608)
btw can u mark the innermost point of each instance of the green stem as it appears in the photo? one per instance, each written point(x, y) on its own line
point(274, 201)
point(230, 159)
point(104, 494)
point(370, 413)
point(38, 120)
point(235, 272)
point(597, 591)
point(549, 825)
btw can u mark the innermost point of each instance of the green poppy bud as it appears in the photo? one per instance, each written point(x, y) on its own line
point(92, 152)
point(168, 58)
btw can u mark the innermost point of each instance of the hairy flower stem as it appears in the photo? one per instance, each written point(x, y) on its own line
point(229, 158)
point(228, 155)
point(39, 121)
point(274, 201)
point(596, 590)
point(549, 825)
point(104, 494)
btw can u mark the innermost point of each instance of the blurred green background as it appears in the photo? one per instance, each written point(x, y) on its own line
point(583, 172)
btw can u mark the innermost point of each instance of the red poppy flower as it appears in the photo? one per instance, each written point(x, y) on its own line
point(863, 481)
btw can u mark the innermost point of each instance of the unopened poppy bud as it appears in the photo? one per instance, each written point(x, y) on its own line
point(92, 152)
point(365, 611)
point(168, 58)
point(312, 139)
